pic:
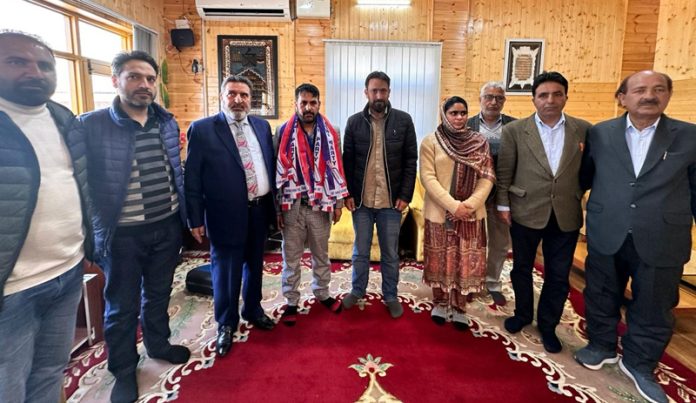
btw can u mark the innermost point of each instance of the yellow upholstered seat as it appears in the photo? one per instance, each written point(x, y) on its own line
point(416, 207)
point(342, 238)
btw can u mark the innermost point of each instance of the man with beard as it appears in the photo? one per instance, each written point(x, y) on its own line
point(642, 171)
point(311, 186)
point(230, 199)
point(45, 224)
point(136, 184)
point(490, 123)
point(380, 155)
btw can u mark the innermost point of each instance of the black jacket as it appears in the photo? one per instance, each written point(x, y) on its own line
point(400, 150)
point(19, 187)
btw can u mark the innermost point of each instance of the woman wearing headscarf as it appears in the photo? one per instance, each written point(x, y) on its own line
point(456, 170)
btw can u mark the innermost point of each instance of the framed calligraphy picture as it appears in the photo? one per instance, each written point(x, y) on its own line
point(256, 58)
point(524, 60)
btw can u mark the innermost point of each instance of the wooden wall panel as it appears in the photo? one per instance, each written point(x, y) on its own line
point(450, 23)
point(584, 41)
point(148, 13)
point(674, 54)
point(412, 23)
point(641, 35)
point(309, 51)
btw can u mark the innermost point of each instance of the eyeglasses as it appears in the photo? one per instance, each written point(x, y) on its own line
point(489, 98)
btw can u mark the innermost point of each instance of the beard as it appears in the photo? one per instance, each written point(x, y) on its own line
point(307, 117)
point(140, 99)
point(378, 106)
point(236, 115)
point(29, 92)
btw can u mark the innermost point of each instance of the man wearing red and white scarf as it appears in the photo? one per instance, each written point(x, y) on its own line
point(311, 187)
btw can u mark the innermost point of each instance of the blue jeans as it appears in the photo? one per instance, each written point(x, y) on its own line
point(37, 327)
point(388, 222)
point(139, 274)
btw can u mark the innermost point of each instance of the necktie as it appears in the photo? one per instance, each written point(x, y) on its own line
point(247, 161)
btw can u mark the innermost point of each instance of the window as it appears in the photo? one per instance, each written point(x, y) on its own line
point(84, 45)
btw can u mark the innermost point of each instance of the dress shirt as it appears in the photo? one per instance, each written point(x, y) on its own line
point(553, 139)
point(491, 132)
point(256, 154)
point(638, 142)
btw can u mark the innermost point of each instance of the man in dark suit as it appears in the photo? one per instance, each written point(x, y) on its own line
point(229, 190)
point(642, 171)
point(539, 196)
point(489, 122)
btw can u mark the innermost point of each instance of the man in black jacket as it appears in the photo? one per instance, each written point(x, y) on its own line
point(380, 154)
point(45, 223)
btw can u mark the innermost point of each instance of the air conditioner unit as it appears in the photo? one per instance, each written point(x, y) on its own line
point(244, 10)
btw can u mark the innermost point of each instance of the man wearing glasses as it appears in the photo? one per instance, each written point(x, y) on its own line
point(490, 122)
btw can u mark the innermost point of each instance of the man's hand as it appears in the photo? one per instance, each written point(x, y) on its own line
point(505, 217)
point(337, 215)
point(400, 205)
point(465, 210)
point(280, 221)
point(198, 233)
point(350, 204)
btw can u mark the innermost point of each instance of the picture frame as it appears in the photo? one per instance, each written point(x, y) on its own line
point(256, 58)
point(524, 60)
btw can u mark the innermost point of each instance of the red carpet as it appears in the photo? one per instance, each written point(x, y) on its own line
point(311, 363)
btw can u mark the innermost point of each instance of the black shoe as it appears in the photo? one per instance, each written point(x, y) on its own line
point(263, 322)
point(125, 389)
point(174, 354)
point(514, 324)
point(289, 317)
point(332, 304)
point(551, 342)
point(224, 340)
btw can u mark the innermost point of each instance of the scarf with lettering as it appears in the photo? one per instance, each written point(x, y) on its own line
point(316, 172)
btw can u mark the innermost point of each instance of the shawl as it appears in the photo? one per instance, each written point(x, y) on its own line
point(318, 173)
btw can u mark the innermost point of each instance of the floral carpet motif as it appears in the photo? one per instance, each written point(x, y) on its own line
point(193, 325)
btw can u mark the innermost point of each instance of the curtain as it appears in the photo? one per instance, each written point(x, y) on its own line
point(414, 69)
point(145, 40)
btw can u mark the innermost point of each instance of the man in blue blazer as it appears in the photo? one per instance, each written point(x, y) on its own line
point(642, 171)
point(229, 195)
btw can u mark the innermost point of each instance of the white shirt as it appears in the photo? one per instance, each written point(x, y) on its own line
point(54, 243)
point(262, 180)
point(638, 142)
point(553, 139)
point(491, 132)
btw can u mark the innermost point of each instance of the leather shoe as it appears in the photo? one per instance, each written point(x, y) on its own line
point(224, 340)
point(551, 342)
point(514, 324)
point(263, 322)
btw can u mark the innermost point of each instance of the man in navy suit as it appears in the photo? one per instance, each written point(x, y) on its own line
point(230, 197)
point(642, 171)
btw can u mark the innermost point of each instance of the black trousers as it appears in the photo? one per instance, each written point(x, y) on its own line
point(654, 293)
point(558, 248)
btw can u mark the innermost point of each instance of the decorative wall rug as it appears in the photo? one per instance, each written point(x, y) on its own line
point(364, 355)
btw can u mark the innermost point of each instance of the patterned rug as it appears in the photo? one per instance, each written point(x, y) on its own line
point(192, 324)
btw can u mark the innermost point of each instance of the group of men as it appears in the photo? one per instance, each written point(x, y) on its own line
point(108, 187)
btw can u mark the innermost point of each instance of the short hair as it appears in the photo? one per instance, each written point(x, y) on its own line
point(234, 78)
point(379, 75)
point(11, 33)
point(623, 87)
point(454, 100)
point(124, 57)
point(492, 84)
point(307, 87)
point(547, 76)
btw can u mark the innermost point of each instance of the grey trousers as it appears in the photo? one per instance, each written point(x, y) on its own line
point(302, 224)
point(498, 246)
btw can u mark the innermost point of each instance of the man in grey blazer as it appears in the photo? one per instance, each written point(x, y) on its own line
point(642, 171)
point(539, 196)
point(489, 122)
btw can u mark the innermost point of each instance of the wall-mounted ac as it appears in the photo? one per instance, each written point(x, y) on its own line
point(244, 10)
point(313, 9)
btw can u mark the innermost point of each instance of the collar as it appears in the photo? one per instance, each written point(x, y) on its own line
point(480, 116)
point(230, 119)
point(560, 122)
point(121, 114)
point(629, 124)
